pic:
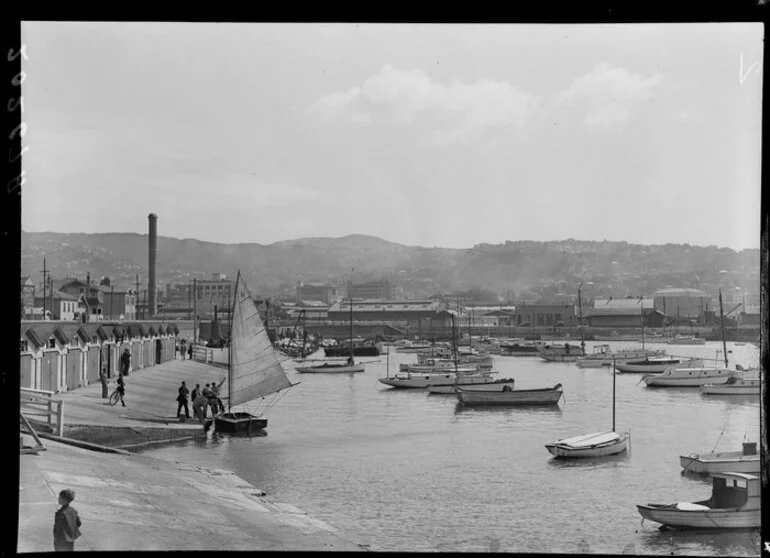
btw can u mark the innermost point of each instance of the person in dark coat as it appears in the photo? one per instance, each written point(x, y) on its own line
point(182, 401)
point(125, 361)
point(66, 525)
point(121, 389)
point(189, 351)
point(182, 348)
point(196, 390)
point(103, 380)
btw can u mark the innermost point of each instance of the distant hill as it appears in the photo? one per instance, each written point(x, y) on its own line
point(275, 268)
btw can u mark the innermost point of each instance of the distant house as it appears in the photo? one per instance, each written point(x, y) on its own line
point(58, 306)
point(89, 296)
point(118, 303)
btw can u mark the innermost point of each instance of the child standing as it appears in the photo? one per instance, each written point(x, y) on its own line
point(66, 523)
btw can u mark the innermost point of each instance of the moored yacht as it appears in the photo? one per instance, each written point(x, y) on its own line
point(689, 377)
point(657, 364)
point(735, 503)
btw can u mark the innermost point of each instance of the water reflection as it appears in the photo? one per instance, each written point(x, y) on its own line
point(504, 409)
point(722, 542)
point(590, 462)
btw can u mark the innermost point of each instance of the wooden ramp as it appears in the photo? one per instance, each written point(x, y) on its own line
point(26, 428)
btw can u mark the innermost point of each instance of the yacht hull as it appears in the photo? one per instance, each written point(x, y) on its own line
point(700, 519)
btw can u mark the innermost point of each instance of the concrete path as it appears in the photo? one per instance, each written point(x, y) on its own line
point(135, 502)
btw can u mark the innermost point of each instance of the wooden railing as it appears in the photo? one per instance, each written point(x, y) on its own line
point(40, 407)
point(203, 354)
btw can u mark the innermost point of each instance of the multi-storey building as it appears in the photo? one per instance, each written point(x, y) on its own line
point(316, 291)
point(383, 289)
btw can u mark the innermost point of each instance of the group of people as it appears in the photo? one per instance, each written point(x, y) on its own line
point(185, 348)
point(202, 399)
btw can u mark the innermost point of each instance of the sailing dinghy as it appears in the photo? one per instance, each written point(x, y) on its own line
point(596, 444)
point(254, 370)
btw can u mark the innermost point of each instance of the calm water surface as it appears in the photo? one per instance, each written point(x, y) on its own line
point(402, 470)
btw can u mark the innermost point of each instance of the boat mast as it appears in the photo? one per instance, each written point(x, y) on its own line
point(230, 348)
point(641, 300)
point(470, 330)
point(580, 309)
point(613, 395)
point(722, 320)
point(454, 342)
point(352, 361)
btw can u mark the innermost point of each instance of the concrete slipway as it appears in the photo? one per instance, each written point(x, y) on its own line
point(134, 502)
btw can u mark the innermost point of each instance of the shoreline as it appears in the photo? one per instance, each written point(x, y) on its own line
point(118, 486)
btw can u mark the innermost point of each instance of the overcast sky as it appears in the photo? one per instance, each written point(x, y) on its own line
point(430, 135)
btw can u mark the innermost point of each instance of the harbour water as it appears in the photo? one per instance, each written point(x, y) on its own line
point(402, 470)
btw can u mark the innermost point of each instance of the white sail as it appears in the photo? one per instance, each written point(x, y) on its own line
point(254, 367)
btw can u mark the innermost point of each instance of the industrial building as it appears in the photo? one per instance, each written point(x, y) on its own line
point(623, 317)
point(683, 303)
point(546, 315)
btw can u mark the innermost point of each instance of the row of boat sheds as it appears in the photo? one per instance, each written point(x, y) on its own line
point(61, 356)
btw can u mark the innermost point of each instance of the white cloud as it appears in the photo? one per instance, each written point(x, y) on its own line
point(407, 97)
point(611, 95)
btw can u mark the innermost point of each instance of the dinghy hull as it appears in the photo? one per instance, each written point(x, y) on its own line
point(598, 444)
point(238, 422)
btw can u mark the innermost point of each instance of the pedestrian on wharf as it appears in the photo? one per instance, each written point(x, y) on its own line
point(182, 401)
point(125, 362)
point(215, 401)
point(182, 348)
point(103, 380)
point(196, 390)
point(206, 392)
point(121, 389)
point(189, 351)
point(199, 406)
point(66, 523)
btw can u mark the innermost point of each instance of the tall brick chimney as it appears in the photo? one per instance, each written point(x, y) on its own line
point(152, 302)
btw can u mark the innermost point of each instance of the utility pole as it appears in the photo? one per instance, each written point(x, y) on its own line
point(45, 284)
point(112, 292)
point(189, 299)
point(195, 309)
point(137, 296)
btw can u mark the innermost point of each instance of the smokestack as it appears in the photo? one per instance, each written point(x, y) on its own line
point(152, 302)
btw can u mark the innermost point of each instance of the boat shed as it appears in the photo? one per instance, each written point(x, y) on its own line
point(61, 356)
point(624, 317)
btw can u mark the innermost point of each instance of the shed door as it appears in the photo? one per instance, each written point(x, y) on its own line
point(26, 371)
point(136, 355)
point(73, 369)
point(106, 358)
point(92, 366)
point(48, 380)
